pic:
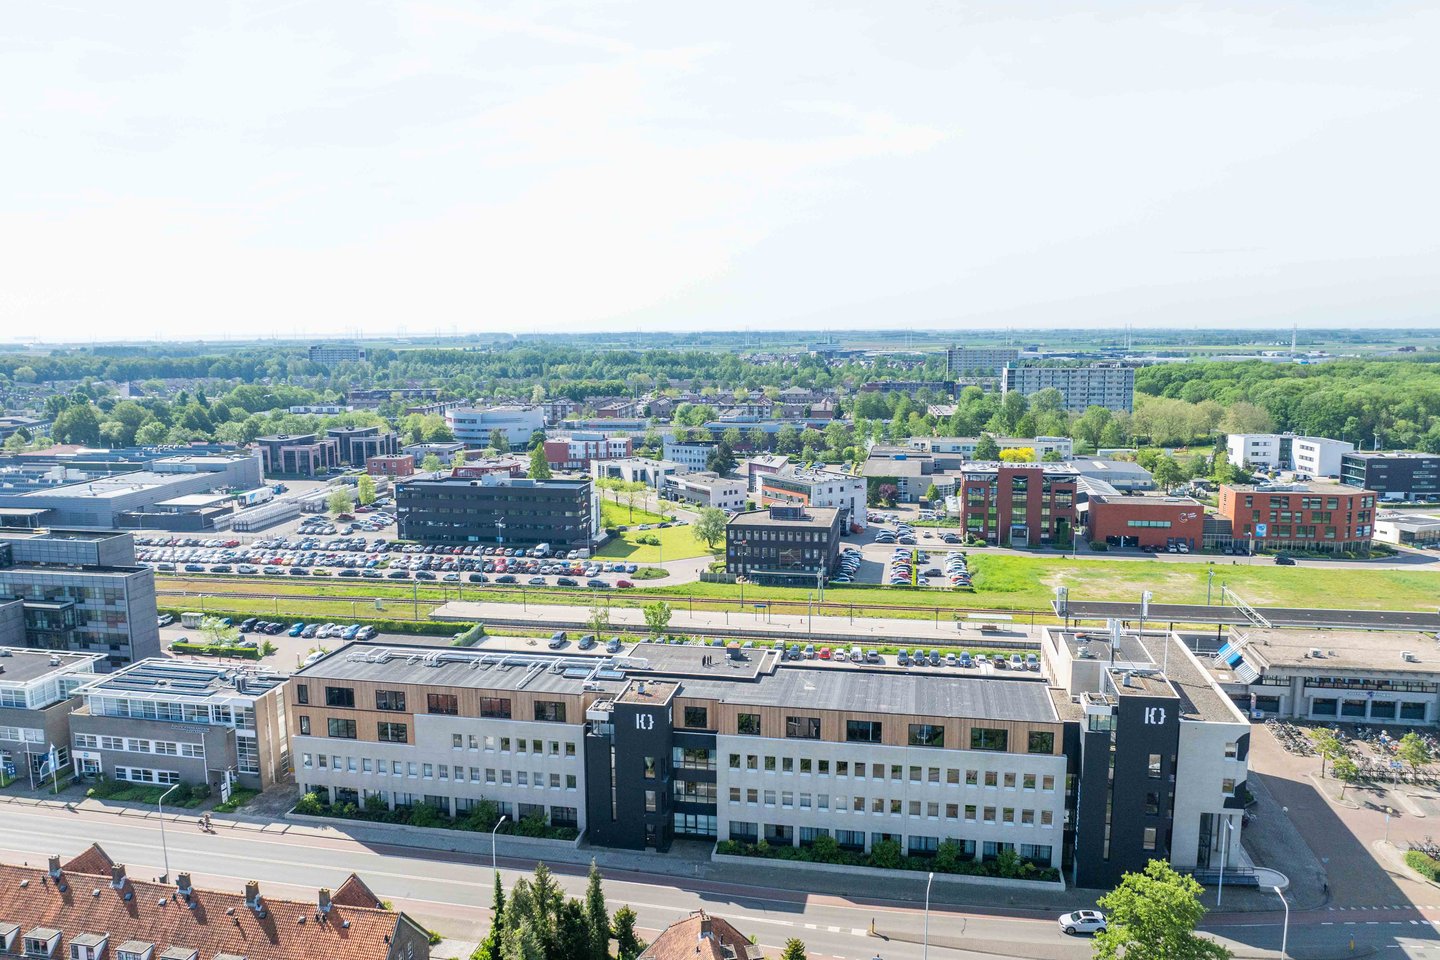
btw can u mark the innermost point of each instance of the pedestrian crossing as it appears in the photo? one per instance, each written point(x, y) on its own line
point(1397, 906)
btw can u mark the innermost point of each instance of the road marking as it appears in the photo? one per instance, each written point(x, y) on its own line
point(859, 932)
point(811, 926)
point(833, 929)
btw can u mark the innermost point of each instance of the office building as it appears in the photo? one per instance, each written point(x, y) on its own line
point(79, 592)
point(397, 466)
point(681, 741)
point(37, 694)
point(89, 908)
point(1298, 516)
point(1019, 504)
point(576, 451)
point(784, 546)
point(1394, 476)
point(652, 473)
point(1126, 476)
point(358, 444)
point(1309, 456)
point(183, 721)
point(755, 468)
point(690, 454)
point(301, 455)
point(1062, 447)
point(497, 508)
point(1135, 521)
point(962, 362)
point(473, 426)
point(1108, 385)
point(911, 471)
point(329, 354)
point(706, 488)
point(1408, 529)
point(796, 486)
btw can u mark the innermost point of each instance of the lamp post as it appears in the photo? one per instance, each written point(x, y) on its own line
point(503, 818)
point(1285, 930)
point(164, 847)
point(925, 948)
point(1224, 849)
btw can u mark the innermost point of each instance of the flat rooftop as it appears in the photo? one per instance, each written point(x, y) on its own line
point(182, 679)
point(23, 665)
point(195, 500)
point(689, 660)
point(813, 517)
point(1180, 672)
point(1364, 650)
point(1298, 486)
point(466, 668)
point(118, 485)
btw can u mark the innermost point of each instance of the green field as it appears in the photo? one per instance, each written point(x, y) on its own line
point(614, 514)
point(676, 543)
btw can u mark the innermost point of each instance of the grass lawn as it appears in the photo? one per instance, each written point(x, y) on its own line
point(614, 514)
point(676, 543)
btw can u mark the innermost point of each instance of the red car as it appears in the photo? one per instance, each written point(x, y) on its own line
point(622, 584)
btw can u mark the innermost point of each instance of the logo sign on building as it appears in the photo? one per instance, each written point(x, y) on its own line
point(1154, 716)
point(1260, 529)
point(644, 721)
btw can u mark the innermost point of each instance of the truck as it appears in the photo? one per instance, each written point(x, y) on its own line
point(253, 498)
point(191, 619)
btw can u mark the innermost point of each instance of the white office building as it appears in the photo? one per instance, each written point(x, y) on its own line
point(472, 426)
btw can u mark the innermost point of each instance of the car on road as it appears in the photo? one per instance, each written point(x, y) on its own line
point(164, 620)
point(1082, 921)
point(1283, 560)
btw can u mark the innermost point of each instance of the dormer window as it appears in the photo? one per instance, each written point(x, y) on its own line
point(41, 942)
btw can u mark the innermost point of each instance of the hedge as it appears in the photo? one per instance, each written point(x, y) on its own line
point(887, 855)
point(216, 650)
point(1423, 864)
point(436, 628)
point(481, 818)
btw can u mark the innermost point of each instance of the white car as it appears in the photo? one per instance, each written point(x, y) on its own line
point(1082, 921)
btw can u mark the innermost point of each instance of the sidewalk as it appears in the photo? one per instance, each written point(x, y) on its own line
point(760, 624)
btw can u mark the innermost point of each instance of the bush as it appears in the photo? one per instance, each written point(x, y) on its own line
point(216, 650)
point(310, 806)
point(1423, 864)
point(1099, 546)
point(239, 796)
point(887, 855)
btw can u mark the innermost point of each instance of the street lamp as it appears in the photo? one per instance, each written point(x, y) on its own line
point(1285, 930)
point(164, 847)
point(503, 818)
point(925, 948)
point(1224, 849)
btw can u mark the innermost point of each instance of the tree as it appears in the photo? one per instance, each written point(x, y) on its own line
point(710, 526)
point(932, 493)
point(365, 490)
point(628, 945)
point(1245, 417)
point(1018, 455)
point(521, 943)
point(490, 947)
point(218, 633)
point(721, 458)
point(1329, 747)
point(431, 463)
point(539, 466)
point(151, 433)
point(1152, 916)
point(1168, 473)
point(1413, 750)
point(657, 617)
point(77, 423)
point(986, 448)
point(794, 950)
point(597, 918)
point(1347, 771)
point(340, 502)
point(599, 617)
point(499, 442)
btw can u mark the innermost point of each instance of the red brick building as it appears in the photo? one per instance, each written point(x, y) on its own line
point(399, 465)
point(1299, 516)
point(1019, 504)
point(1124, 521)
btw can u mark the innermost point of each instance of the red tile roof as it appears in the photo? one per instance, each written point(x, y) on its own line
point(354, 893)
point(219, 923)
point(94, 860)
point(700, 937)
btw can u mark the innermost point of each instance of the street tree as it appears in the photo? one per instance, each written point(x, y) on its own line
point(1345, 770)
point(490, 947)
point(794, 950)
point(1152, 915)
point(340, 502)
point(710, 526)
point(628, 944)
point(539, 466)
point(365, 490)
point(597, 918)
point(599, 620)
point(1329, 747)
point(1412, 750)
point(657, 617)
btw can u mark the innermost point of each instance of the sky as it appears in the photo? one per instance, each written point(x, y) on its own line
point(190, 170)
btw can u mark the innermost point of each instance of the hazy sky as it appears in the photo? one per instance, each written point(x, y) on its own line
point(201, 168)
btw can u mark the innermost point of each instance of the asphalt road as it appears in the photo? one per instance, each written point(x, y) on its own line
point(450, 893)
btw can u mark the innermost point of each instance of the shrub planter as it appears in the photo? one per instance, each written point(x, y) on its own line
point(442, 838)
point(1057, 886)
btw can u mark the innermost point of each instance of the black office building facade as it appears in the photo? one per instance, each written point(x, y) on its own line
point(784, 545)
point(1399, 475)
point(496, 508)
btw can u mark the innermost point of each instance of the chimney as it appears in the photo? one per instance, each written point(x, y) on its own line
point(54, 866)
point(252, 895)
point(706, 928)
point(324, 900)
point(182, 884)
point(117, 876)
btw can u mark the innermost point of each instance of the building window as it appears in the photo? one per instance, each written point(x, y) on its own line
point(1227, 787)
point(748, 724)
point(496, 708)
point(697, 718)
point(339, 697)
point(1153, 766)
point(304, 726)
point(393, 732)
point(989, 738)
point(862, 731)
point(802, 728)
point(550, 711)
point(927, 735)
point(1041, 741)
point(390, 700)
point(445, 704)
point(341, 729)
point(302, 693)
point(1149, 841)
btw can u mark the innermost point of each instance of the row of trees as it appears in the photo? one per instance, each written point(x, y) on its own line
point(538, 922)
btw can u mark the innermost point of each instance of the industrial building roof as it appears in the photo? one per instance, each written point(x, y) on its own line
point(20, 665)
point(182, 680)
